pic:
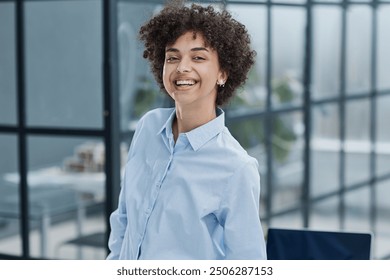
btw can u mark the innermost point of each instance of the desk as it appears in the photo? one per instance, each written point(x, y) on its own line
point(52, 192)
point(83, 182)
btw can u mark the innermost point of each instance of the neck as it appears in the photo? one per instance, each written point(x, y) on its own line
point(189, 119)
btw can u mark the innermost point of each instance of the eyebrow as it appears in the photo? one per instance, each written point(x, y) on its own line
point(193, 49)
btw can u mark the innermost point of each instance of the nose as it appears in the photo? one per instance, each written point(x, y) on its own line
point(184, 66)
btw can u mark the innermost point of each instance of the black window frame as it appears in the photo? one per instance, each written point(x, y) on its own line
point(112, 136)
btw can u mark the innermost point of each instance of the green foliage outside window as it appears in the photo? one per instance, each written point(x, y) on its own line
point(146, 97)
point(250, 133)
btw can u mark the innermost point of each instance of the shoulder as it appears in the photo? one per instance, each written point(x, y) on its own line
point(147, 127)
point(235, 151)
point(159, 115)
point(154, 119)
point(227, 153)
point(244, 179)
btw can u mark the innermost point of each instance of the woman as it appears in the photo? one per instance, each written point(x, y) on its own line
point(190, 191)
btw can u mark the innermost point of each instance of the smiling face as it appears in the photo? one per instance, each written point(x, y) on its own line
point(191, 71)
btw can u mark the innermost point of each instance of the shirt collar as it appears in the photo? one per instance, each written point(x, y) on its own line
point(200, 135)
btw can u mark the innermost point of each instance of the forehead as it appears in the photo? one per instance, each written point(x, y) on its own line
point(189, 38)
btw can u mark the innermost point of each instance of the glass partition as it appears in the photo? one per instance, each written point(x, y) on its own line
point(357, 216)
point(383, 136)
point(65, 86)
point(66, 184)
point(325, 150)
point(288, 27)
point(358, 52)
point(324, 214)
point(10, 232)
point(326, 52)
point(357, 145)
point(139, 92)
point(287, 151)
point(383, 64)
point(382, 234)
point(254, 93)
point(64, 63)
point(7, 64)
point(291, 220)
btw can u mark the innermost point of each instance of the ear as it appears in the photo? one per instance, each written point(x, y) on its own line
point(222, 76)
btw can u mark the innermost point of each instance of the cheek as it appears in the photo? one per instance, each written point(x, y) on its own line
point(165, 77)
point(211, 71)
point(166, 82)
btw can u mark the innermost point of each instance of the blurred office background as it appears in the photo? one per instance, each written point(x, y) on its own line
point(73, 83)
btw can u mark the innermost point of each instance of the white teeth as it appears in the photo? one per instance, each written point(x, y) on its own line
point(185, 82)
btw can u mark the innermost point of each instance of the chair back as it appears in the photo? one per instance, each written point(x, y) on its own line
point(304, 244)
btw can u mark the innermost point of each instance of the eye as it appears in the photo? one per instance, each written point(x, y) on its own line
point(172, 59)
point(198, 58)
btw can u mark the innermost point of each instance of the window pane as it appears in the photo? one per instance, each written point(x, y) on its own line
point(66, 196)
point(324, 215)
point(254, 93)
point(10, 236)
point(288, 26)
point(358, 49)
point(382, 234)
point(330, 1)
point(64, 63)
point(357, 146)
point(287, 149)
point(290, 220)
point(325, 150)
point(326, 53)
point(383, 59)
point(289, 1)
point(383, 135)
point(357, 210)
point(254, 1)
point(7, 64)
point(138, 90)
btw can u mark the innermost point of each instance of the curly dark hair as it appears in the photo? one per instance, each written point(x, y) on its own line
point(221, 32)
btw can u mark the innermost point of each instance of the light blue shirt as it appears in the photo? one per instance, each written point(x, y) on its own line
point(197, 198)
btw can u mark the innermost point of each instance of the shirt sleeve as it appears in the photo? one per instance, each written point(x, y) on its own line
point(243, 234)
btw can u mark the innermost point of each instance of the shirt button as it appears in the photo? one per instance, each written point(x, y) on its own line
point(147, 212)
